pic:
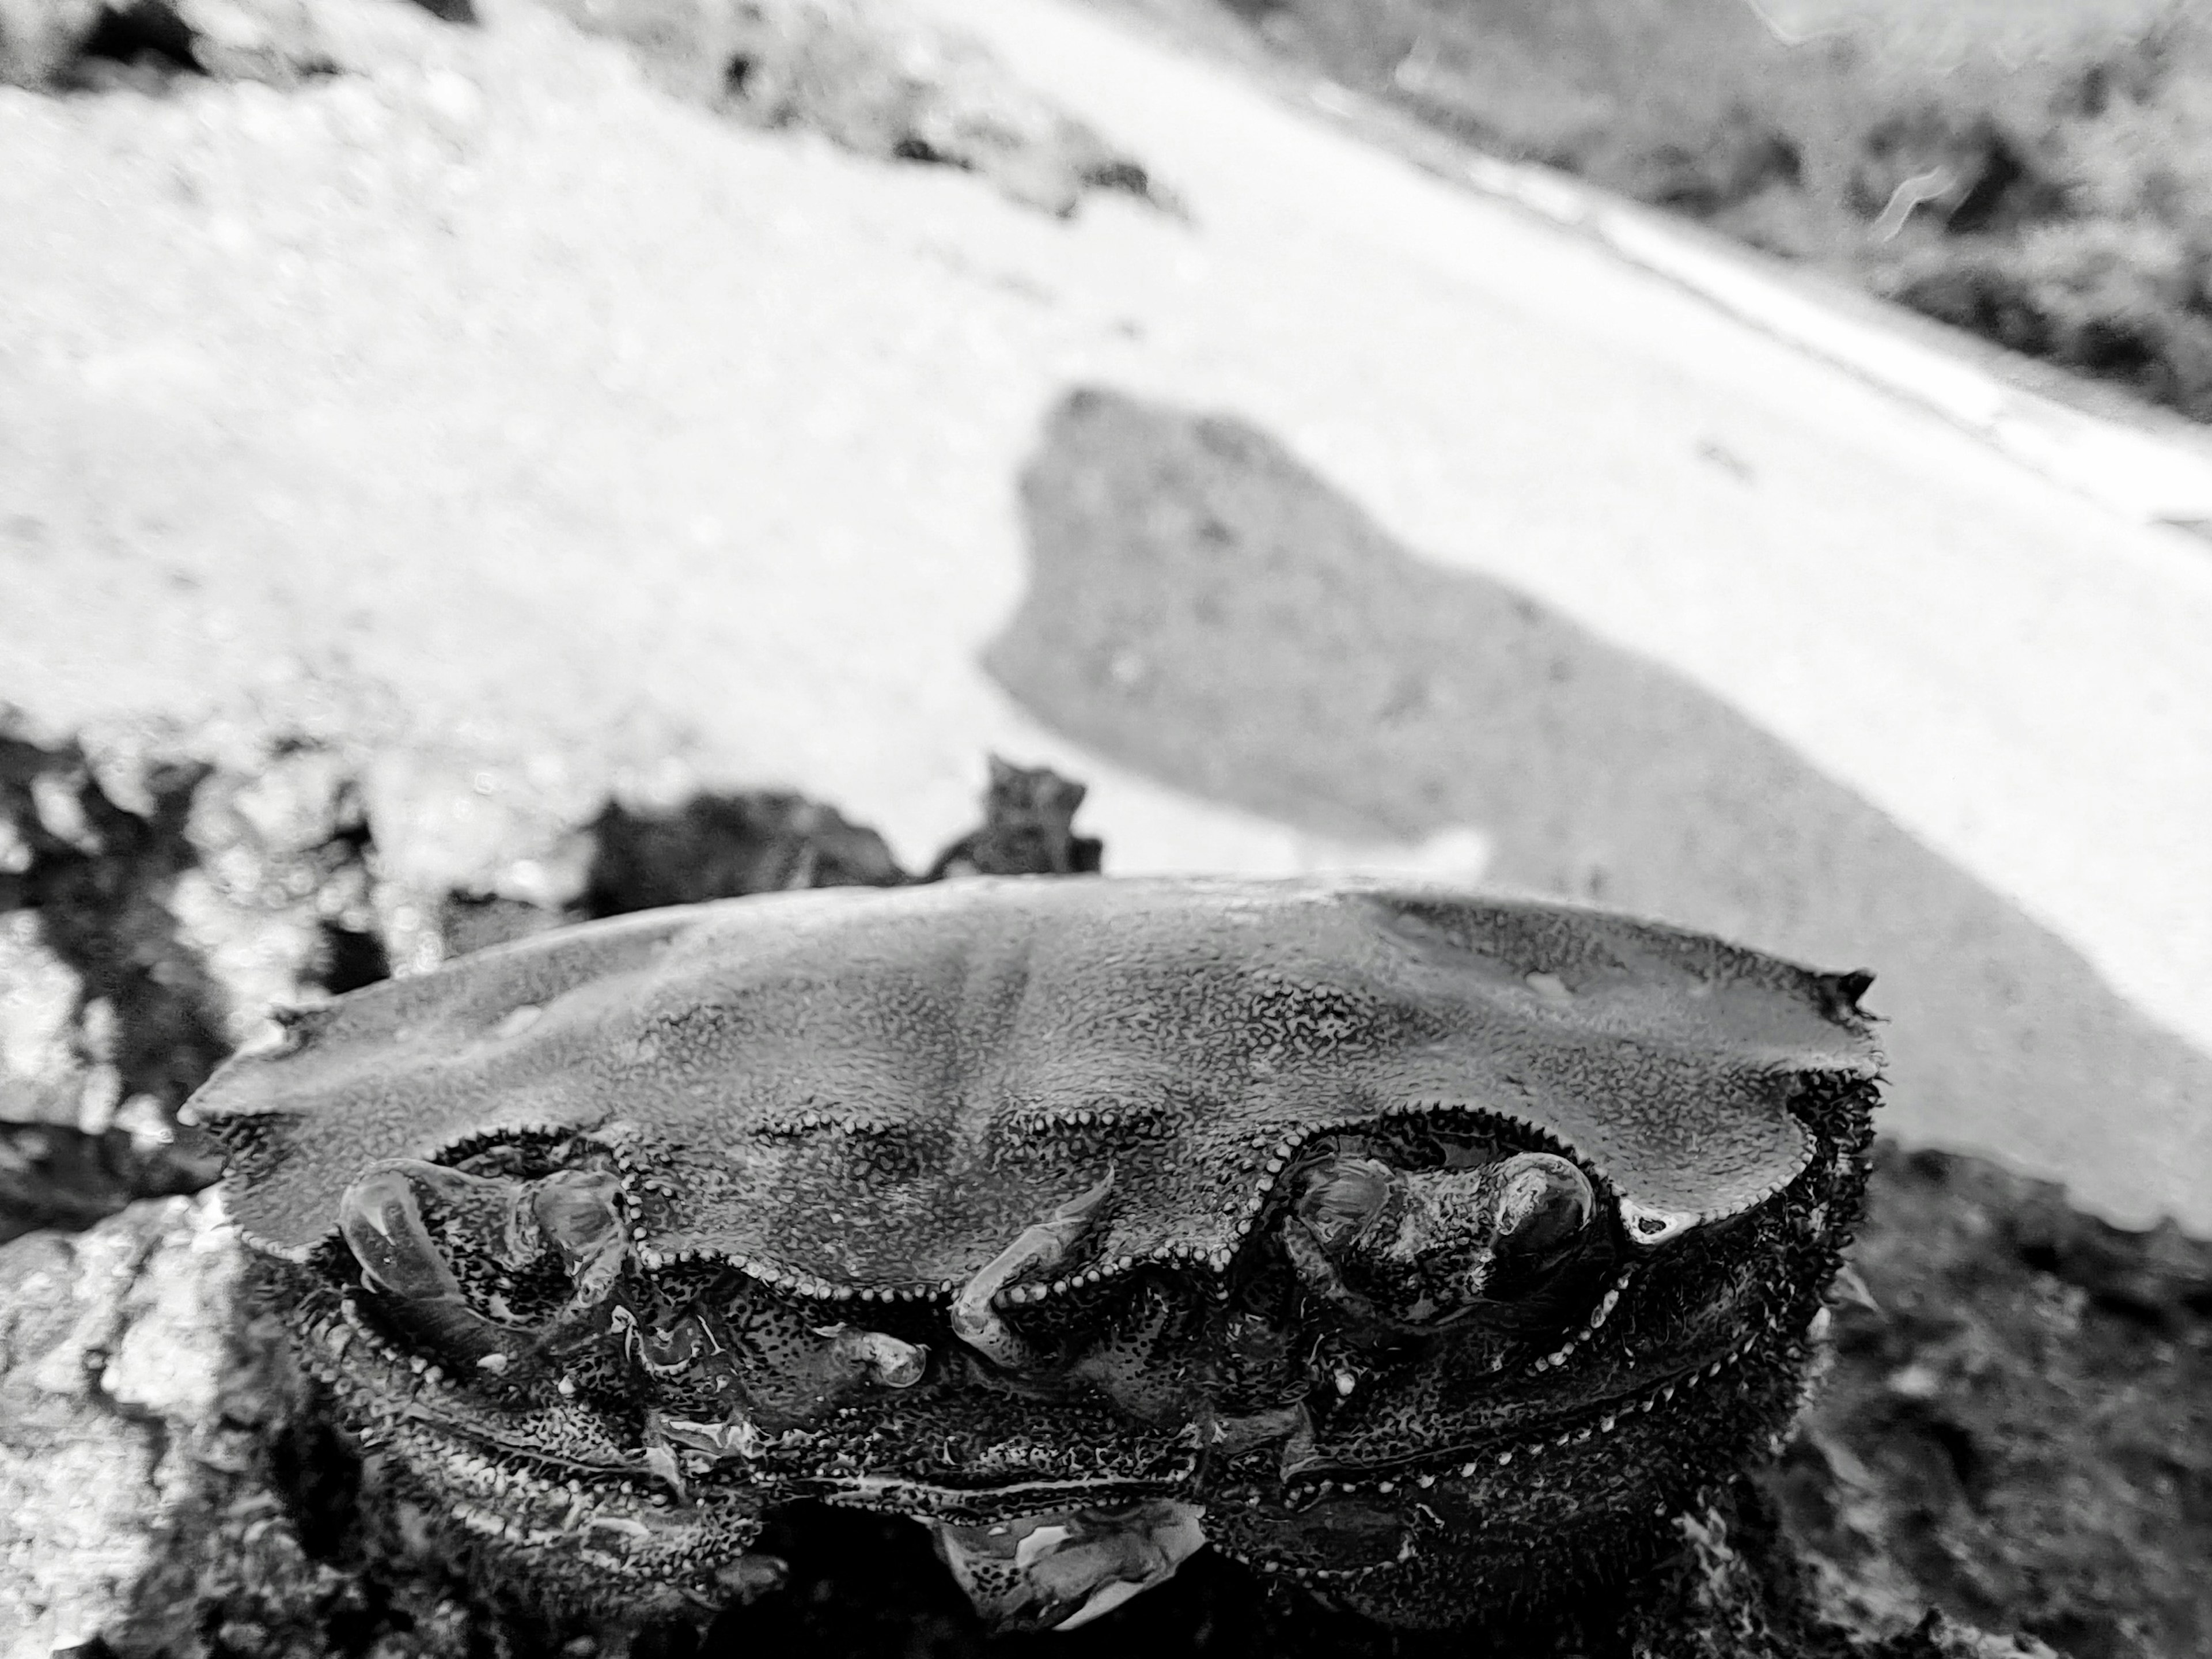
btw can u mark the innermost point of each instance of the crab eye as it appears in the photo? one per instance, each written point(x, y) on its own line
point(1542, 1205)
point(1345, 1197)
point(1423, 1247)
point(577, 1211)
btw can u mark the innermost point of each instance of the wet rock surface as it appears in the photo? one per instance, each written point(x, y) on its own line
point(2018, 1428)
point(2011, 1439)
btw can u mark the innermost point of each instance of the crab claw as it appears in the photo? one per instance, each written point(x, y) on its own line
point(577, 1211)
point(748, 1577)
point(381, 1219)
point(1042, 1245)
point(483, 1219)
point(883, 1360)
point(1345, 1197)
point(1059, 1571)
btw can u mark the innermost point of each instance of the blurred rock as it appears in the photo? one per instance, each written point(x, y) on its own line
point(100, 1001)
point(45, 1077)
point(112, 1344)
point(2130, 302)
point(273, 41)
point(874, 79)
point(52, 1174)
point(1028, 829)
point(708, 845)
point(2018, 1427)
point(48, 44)
point(465, 855)
point(40, 40)
point(866, 74)
point(167, 1491)
point(718, 846)
point(278, 900)
point(154, 904)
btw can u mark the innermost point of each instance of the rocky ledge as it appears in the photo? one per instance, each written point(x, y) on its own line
point(2012, 1437)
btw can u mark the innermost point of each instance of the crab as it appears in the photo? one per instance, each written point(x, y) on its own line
point(1422, 1249)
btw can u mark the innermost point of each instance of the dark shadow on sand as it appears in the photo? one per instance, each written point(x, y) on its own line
point(1204, 609)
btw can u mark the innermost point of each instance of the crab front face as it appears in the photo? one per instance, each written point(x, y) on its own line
point(1377, 1238)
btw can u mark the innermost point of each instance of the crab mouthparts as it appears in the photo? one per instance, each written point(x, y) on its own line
point(1058, 1569)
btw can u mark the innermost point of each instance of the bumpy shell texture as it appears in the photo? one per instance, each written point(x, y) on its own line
point(855, 1088)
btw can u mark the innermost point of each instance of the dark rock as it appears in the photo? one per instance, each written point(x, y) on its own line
point(74, 44)
point(1028, 829)
point(719, 846)
point(52, 1174)
point(2018, 1429)
point(1739, 157)
point(875, 79)
point(104, 1007)
point(2124, 303)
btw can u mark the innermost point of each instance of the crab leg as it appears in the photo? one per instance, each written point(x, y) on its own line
point(1060, 1569)
point(1042, 1244)
point(381, 1217)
